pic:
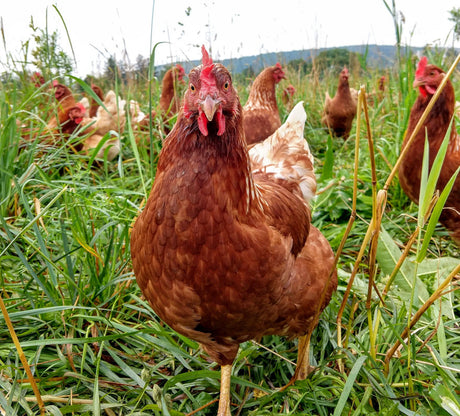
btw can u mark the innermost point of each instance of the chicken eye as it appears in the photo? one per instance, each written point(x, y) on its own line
point(226, 86)
point(192, 88)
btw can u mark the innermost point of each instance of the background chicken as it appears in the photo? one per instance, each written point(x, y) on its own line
point(108, 121)
point(91, 104)
point(288, 97)
point(225, 254)
point(376, 95)
point(138, 118)
point(38, 79)
point(169, 98)
point(261, 114)
point(169, 101)
point(340, 111)
point(64, 120)
point(428, 78)
point(69, 113)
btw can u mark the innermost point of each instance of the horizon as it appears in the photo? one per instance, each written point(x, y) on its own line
point(242, 29)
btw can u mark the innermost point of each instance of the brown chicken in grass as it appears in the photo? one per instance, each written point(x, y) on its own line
point(288, 97)
point(37, 79)
point(428, 77)
point(340, 111)
point(169, 101)
point(169, 98)
point(93, 104)
point(64, 120)
point(260, 113)
point(224, 249)
point(69, 113)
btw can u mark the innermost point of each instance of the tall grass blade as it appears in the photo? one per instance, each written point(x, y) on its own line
point(328, 166)
point(447, 399)
point(22, 356)
point(349, 385)
point(388, 255)
point(66, 31)
point(436, 213)
point(428, 182)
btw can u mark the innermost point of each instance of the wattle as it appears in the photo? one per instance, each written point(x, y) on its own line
point(220, 122)
point(203, 122)
point(423, 91)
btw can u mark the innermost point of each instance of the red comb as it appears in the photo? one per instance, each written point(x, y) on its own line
point(55, 83)
point(278, 65)
point(208, 65)
point(421, 67)
point(206, 60)
point(81, 107)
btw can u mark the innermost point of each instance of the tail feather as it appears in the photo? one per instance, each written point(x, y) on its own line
point(286, 154)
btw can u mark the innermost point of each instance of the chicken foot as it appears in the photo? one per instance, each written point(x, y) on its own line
point(224, 399)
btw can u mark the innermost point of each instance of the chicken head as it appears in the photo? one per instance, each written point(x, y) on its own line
point(427, 77)
point(278, 73)
point(211, 95)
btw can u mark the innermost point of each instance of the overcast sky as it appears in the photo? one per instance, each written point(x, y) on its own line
point(232, 29)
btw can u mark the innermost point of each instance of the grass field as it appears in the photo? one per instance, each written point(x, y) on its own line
point(95, 347)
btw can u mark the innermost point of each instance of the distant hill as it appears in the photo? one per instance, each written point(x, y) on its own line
point(380, 56)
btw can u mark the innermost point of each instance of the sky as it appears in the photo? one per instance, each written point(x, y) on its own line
point(229, 29)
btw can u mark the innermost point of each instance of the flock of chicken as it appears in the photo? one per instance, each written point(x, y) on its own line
point(224, 249)
point(99, 120)
point(340, 111)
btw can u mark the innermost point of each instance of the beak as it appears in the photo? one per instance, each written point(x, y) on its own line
point(417, 83)
point(209, 107)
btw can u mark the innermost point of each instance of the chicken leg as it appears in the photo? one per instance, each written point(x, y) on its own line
point(224, 399)
point(301, 372)
point(303, 358)
point(303, 361)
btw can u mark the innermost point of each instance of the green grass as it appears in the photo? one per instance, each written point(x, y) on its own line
point(95, 346)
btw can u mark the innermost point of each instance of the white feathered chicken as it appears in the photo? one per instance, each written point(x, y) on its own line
point(108, 121)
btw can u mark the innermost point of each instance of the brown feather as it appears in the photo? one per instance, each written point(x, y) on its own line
point(169, 98)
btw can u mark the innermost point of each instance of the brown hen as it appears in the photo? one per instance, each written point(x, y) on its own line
point(428, 78)
point(169, 102)
point(93, 104)
point(224, 250)
point(288, 97)
point(340, 111)
point(69, 113)
point(169, 99)
point(260, 113)
point(64, 120)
